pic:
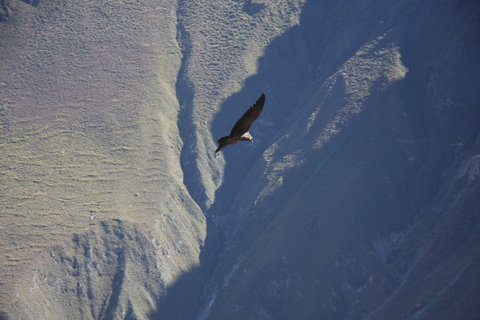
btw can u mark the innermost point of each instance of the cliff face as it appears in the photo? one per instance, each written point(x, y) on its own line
point(358, 199)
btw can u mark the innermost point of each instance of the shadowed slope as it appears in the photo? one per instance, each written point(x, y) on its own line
point(334, 219)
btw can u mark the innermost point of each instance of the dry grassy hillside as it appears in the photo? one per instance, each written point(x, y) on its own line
point(97, 102)
point(90, 143)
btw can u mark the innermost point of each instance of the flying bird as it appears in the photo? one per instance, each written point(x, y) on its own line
point(240, 129)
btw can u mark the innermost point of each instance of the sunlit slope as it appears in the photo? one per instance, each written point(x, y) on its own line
point(89, 134)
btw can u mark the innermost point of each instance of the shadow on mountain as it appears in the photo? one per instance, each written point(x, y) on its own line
point(291, 64)
point(296, 63)
point(183, 299)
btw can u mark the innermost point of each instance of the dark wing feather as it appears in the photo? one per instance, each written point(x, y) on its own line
point(245, 122)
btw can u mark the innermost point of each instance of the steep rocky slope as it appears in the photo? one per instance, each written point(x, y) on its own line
point(365, 204)
point(358, 199)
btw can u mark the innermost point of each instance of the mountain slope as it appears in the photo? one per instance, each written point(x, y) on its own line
point(97, 221)
point(361, 208)
point(358, 199)
point(92, 194)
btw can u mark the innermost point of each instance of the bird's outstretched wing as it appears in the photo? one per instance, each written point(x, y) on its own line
point(245, 122)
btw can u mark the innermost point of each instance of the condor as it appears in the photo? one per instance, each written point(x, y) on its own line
point(240, 129)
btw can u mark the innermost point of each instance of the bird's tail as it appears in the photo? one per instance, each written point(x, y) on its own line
point(222, 143)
